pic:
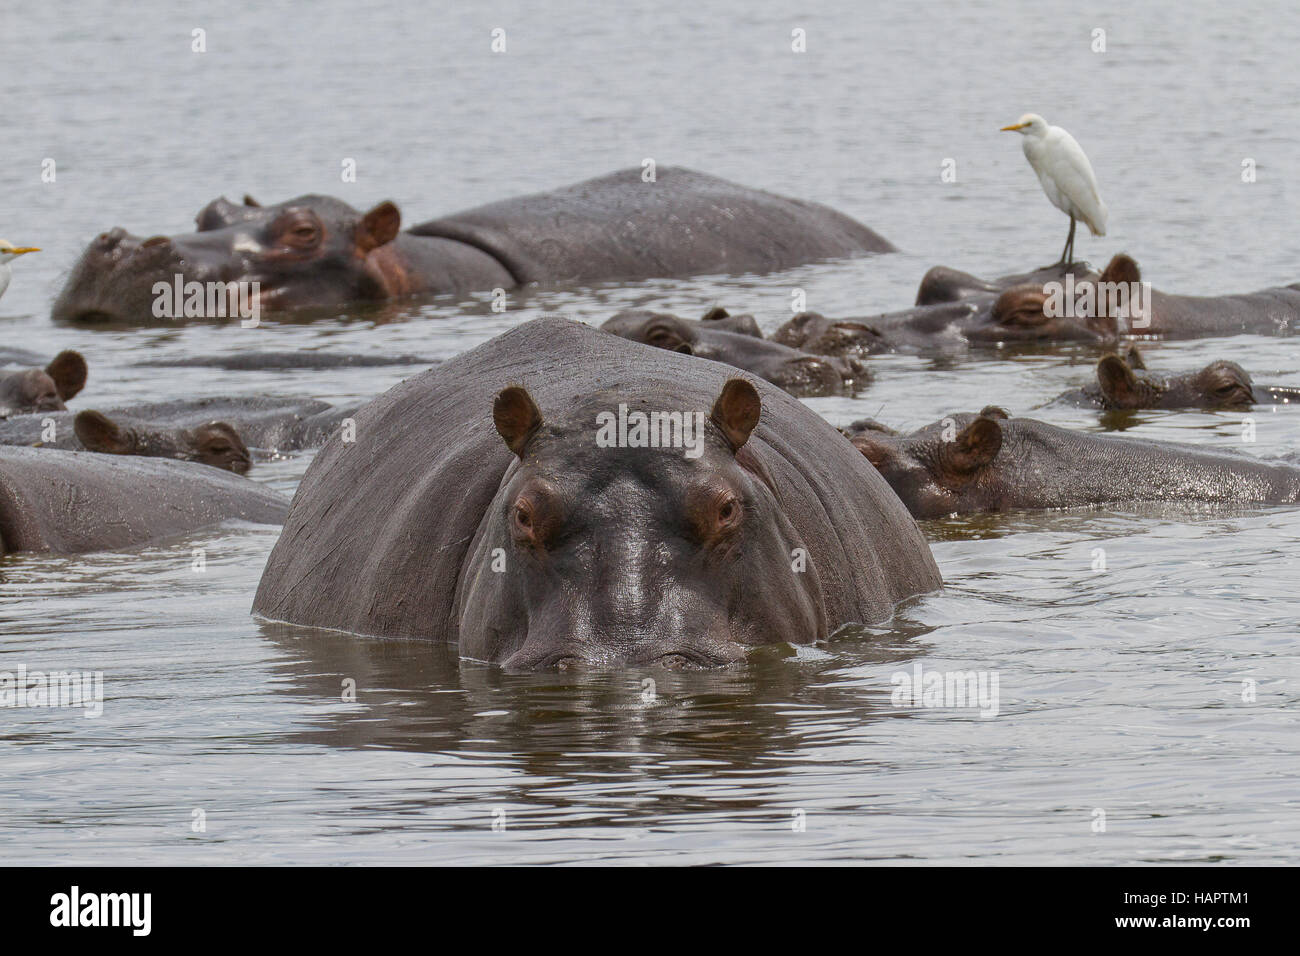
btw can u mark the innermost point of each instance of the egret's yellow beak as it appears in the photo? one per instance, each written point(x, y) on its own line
point(21, 249)
point(1013, 126)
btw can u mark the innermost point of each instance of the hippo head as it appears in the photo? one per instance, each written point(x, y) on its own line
point(43, 390)
point(675, 556)
point(1220, 384)
point(797, 372)
point(941, 469)
point(814, 332)
point(215, 443)
point(1039, 311)
point(309, 251)
point(660, 329)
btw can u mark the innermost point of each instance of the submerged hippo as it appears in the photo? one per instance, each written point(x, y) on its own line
point(213, 443)
point(1274, 311)
point(315, 251)
point(797, 372)
point(957, 311)
point(514, 500)
point(1125, 383)
point(813, 332)
point(212, 431)
point(41, 390)
point(990, 462)
point(74, 502)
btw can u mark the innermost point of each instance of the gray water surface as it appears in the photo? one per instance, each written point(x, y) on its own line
point(1121, 690)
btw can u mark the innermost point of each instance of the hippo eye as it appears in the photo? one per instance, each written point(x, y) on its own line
point(680, 662)
point(524, 520)
point(727, 514)
point(300, 233)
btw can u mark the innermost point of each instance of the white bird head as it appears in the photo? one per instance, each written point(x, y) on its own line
point(9, 251)
point(1031, 124)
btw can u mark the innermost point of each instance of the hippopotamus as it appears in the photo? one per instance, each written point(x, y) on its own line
point(73, 502)
point(813, 332)
point(319, 252)
point(39, 390)
point(711, 338)
point(212, 431)
point(211, 443)
point(1125, 383)
point(1273, 311)
point(956, 311)
point(560, 497)
point(989, 462)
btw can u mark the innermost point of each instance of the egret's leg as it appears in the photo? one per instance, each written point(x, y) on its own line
point(1067, 254)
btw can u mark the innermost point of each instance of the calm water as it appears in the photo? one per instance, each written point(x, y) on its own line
point(1120, 690)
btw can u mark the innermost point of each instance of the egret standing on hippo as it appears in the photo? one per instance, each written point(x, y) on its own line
point(1065, 173)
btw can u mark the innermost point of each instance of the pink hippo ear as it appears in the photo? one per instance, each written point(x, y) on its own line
point(378, 227)
point(69, 373)
point(516, 417)
point(737, 411)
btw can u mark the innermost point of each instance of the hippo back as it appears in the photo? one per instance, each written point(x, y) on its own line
point(74, 502)
point(379, 530)
point(618, 227)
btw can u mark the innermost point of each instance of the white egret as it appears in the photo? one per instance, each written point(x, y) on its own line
point(1065, 173)
point(8, 252)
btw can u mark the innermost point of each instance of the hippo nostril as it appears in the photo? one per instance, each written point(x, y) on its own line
point(155, 241)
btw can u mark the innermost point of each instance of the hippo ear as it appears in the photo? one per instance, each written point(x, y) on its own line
point(993, 411)
point(250, 201)
point(715, 313)
point(378, 227)
point(215, 215)
point(516, 416)
point(974, 447)
point(98, 432)
point(1117, 381)
point(69, 373)
point(1121, 268)
point(1134, 358)
point(664, 336)
point(737, 411)
point(215, 432)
